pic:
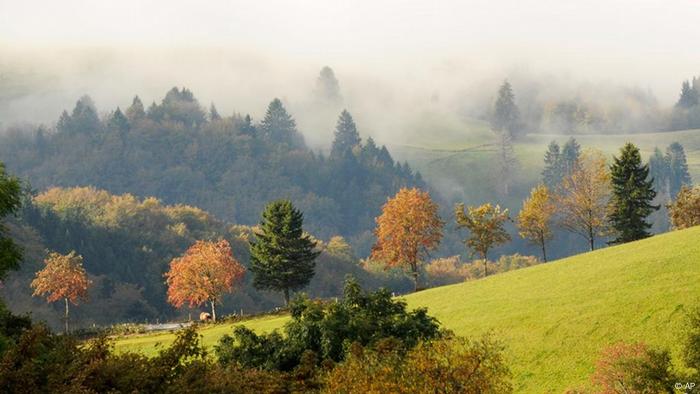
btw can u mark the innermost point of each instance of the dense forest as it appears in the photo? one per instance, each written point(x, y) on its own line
point(228, 165)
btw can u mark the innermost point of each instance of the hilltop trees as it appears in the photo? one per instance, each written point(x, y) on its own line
point(282, 256)
point(485, 225)
point(583, 200)
point(203, 274)
point(632, 195)
point(408, 228)
point(64, 278)
point(686, 113)
point(535, 218)
point(10, 202)
point(506, 116)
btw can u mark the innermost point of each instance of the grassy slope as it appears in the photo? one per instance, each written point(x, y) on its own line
point(555, 318)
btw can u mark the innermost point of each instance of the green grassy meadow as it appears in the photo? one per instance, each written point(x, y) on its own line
point(555, 318)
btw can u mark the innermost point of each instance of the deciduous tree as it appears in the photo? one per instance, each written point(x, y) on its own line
point(203, 274)
point(485, 225)
point(64, 278)
point(535, 218)
point(684, 211)
point(408, 228)
point(282, 256)
point(584, 196)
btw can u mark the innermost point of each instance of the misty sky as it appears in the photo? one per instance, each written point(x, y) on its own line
point(649, 44)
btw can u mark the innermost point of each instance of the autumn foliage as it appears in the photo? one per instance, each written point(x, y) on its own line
point(584, 197)
point(407, 229)
point(535, 219)
point(63, 278)
point(485, 224)
point(684, 212)
point(203, 274)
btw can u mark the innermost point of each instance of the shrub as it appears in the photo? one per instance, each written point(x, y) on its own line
point(328, 329)
point(443, 366)
point(632, 368)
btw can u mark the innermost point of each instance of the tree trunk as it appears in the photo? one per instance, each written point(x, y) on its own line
point(415, 280)
point(486, 268)
point(213, 311)
point(591, 238)
point(286, 297)
point(65, 317)
point(544, 252)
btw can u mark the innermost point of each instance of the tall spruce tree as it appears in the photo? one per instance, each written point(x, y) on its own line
point(282, 256)
point(632, 194)
point(570, 154)
point(677, 167)
point(346, 137)
point(553, 170)
point(506, 116)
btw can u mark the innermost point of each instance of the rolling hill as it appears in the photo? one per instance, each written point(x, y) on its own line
point(555, 318)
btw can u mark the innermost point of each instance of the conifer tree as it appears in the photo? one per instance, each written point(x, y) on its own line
point(506, 117)
point(282, 256)
point(689, 96)
point(507, 162)
point(10, 202)
point(632, 194)
point(135, 111)
point(659, 171)
point(553, 171)
point(346, 137)
point(118, 121)
point(278, 125)
point(570, 154)
point(677, 167)
point(327, 86)
point(213, 113)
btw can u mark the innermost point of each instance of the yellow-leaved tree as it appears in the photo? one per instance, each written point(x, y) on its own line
point(536, 216)
point(485, 224)
point(63, 278)
point(684, 212)
point(407, 229)
point(584, 197)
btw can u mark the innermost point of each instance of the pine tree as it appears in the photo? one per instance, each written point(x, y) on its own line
point(135, 111)
point(659, 171)
point(346, 137)
point(213, 113)
point(327, 86)
point(506, 117)
point(632, 194)
point(677, 167)
point(118, 121)
point(278, 125)
point(553, 171)
point(570, 154)
point(282, 257)
point(689, 96)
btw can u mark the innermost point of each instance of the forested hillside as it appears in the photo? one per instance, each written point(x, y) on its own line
point(127, 244)
point(228, 165)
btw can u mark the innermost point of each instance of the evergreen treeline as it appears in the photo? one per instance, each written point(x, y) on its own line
point(228, 165)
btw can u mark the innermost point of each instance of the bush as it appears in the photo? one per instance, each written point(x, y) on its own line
point(328, 329)
point(633, 368)
point(443, 366)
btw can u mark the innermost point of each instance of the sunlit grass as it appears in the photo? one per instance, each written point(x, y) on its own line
point(555, 318)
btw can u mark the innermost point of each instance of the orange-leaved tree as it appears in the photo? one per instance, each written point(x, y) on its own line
point(203, 274)
point(64, 278)
point(407, 229)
